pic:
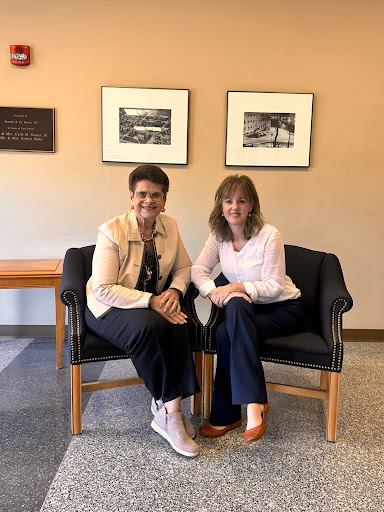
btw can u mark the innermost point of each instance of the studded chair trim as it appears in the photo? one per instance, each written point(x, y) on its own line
point(189, 300)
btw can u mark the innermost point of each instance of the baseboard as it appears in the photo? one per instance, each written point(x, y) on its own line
point(363, 335)
point(29, 331)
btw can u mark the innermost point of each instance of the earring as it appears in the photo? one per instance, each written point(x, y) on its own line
point(249, 214)
point(163, 210)
point(222, 214)
point(132, 207)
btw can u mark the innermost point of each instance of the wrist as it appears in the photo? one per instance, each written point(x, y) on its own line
point(150, 301)
point(177, 291)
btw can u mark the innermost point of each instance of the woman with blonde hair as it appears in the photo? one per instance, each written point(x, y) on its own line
point(260, 301)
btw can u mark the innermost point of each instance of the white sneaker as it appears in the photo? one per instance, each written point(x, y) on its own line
point(171, 427)
point(156, 405)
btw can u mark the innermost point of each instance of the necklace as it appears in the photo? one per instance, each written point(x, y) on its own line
point(149, 266)
point(151, 237)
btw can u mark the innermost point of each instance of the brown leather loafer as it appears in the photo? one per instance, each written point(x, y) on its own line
point(208, 431)
point(253, 434)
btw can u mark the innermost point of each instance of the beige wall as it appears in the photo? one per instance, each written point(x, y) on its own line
point(50, 202)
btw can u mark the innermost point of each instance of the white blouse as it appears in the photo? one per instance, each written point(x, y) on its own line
point(260, 266)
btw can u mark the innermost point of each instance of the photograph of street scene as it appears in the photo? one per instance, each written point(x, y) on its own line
point(145, 126)
point(268, 130)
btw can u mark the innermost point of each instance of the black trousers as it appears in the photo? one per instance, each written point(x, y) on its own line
point(160, 352)
point(239, 373)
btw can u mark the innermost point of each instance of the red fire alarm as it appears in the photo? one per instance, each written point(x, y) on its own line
point(20, 54)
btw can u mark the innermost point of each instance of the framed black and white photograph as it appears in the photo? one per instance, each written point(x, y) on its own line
point(144, 125)
point(268, 129)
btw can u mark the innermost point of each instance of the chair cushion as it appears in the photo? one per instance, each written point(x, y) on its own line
point(97, 349)
point(303, 349)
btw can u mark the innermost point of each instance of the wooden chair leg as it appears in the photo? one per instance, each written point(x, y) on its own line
point(333, 404)
point(208, 384)
point(323, 380)
point(76, 398)
point(196, 399)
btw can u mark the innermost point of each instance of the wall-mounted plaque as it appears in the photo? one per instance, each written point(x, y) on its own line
point(27, 129)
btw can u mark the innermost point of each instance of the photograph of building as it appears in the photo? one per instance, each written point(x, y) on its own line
point(269, 130)
point(145, 126)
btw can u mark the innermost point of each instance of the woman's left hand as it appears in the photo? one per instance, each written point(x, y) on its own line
point(219, 294)
point(170, 303)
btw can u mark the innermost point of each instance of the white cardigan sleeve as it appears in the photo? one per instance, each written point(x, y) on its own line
point(203, 266)
point(272, 279)
point(105, 272)
point(181, 270)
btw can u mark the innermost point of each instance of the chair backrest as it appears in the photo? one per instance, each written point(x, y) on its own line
point(303, 267)
point(87, 253)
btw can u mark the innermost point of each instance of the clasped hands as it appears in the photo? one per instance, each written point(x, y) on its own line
point(167, 304)
point(221, 295)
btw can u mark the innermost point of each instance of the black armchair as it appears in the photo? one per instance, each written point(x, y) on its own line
point(87, 347)
point(319, 345)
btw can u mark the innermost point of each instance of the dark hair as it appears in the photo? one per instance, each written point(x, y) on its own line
point(218, 223)
point(151, 173)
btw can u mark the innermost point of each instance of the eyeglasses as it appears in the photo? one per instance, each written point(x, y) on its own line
point(155, 196)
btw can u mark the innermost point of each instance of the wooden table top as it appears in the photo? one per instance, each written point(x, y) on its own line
point(30, 267)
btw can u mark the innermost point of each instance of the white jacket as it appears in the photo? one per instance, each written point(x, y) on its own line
point(260, 266)
point(117, 263)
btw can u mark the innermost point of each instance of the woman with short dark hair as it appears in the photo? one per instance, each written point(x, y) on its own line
point(131, 305)
point(260, 301)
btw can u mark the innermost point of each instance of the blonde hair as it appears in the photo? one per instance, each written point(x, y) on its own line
point(255, 220)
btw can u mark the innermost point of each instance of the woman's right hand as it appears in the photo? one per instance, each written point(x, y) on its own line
point(237, 294)
point(176, 317)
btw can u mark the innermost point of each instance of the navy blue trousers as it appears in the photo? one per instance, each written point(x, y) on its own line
point(239, 373)
point(160, 351)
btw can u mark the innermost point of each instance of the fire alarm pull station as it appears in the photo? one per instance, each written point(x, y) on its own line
point(20, 54)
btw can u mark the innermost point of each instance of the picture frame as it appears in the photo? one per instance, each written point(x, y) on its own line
point(27, 129)
point(143, 125)
point(268, 129)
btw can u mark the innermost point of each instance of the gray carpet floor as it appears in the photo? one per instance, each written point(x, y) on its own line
point(120, 464)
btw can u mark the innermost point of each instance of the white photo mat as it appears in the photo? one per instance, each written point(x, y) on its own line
point(115, 98)
point(238, 103)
